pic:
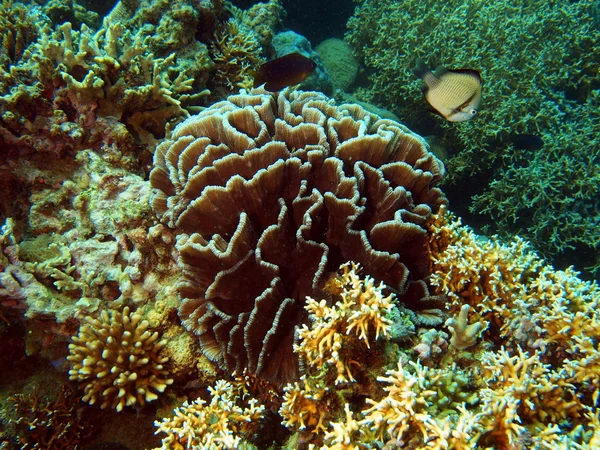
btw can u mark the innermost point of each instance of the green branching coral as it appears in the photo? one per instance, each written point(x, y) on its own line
point(539, 61)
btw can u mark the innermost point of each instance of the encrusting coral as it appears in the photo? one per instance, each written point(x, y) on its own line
point(117, 360)
point(269, 193)
point(221, 424)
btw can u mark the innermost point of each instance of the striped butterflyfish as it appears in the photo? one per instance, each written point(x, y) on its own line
point(453, 94)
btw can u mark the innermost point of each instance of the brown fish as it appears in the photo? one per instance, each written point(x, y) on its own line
point(453, 94)
point(285, 71)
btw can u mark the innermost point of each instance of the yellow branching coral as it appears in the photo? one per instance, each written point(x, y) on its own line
point(509, 286)
point(426, 404)
point(344, 435)
point(117, 360)
point(522, 391)
point(304, 407)
point(361, 309)
point(404, 407)
point(221, 424)
point(485, 274)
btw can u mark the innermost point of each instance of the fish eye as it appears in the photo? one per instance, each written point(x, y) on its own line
point(473, 112)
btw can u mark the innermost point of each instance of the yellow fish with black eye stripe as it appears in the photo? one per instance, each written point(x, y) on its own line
point(453, 94)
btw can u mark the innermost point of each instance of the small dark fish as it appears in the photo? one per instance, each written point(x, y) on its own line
point(285, 71)
point(453, 94)
point(526, 141)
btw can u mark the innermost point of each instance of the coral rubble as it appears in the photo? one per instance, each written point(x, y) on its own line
point(269, 193)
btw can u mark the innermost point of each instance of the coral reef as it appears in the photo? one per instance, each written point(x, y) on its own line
point(117, 360)
point(235, 53)
point(224, 423)
point(53, 424)
point(441, 339)
point(271, 192)
point(533, 86)
point(362, 308)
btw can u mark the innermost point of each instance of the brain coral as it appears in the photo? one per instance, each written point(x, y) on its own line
point(269, 194)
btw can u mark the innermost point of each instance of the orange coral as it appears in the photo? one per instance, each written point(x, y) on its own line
point(329, 340)
point(304, 406)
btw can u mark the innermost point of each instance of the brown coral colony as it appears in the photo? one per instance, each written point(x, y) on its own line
point(270, 193)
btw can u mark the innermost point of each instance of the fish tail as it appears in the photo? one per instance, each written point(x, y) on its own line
point(421, 69)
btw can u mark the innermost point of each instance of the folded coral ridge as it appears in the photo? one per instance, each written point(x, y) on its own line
point(269, 193)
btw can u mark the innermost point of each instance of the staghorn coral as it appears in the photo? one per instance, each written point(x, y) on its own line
point(503, 397)
point(224, 423)
point(271, 192)
point(305, 406)
point(522, 392)
point(509, 286)
point(51, 424)
point(340, 339)
point(117, 361)
point(534, 85)
point(330, 338)
point(413, 405)
point(531, 306)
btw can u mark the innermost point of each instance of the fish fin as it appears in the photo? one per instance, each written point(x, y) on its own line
point(421, 68)
point(472, 72)
point(440, 71)
point(435, 111)
point(258, 79)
